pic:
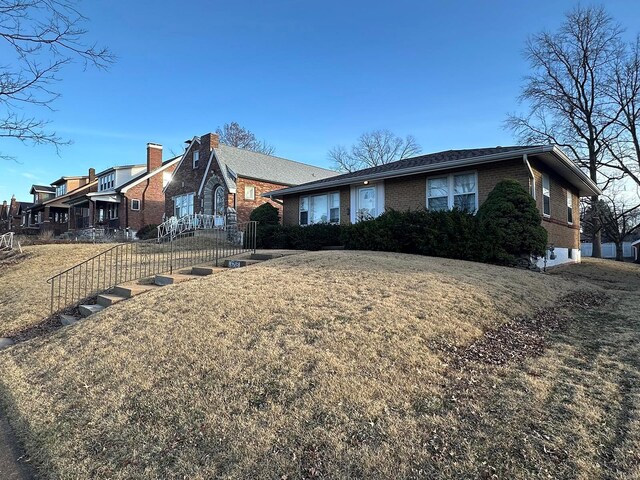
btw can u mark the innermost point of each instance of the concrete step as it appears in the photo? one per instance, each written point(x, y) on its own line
point(107, 299)
point(67, 320)
point(239, 263)
point(162, 280)
point(202, 271)
point(265, 256)
point(131, 290)
point(86, 310)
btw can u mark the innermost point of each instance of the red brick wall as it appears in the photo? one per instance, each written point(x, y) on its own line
point(245, 206)
point(187, 179)
point(152, 204)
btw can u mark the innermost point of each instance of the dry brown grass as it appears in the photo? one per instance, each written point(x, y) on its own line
point(24, 292)
point(324, 365)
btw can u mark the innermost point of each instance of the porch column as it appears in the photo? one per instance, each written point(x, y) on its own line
point(45, 215)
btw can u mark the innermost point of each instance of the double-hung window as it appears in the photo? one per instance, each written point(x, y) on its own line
point(324, 208)
point(249, 192)
point(135, 204)
point(569, 207)
point(107, 182)
point(546, 195)
point(196, 158)
point(61, 190)
point(183, 205)
point(453, 191)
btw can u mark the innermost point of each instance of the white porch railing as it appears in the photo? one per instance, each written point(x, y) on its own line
point(197, 221)
point(6, 241)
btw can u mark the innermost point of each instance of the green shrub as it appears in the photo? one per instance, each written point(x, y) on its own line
point(451, 234)
point(311, 237)
point(265, 214)
point(148, 232)
point(510, 224)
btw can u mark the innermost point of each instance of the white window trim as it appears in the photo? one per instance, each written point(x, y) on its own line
point(135, 200)
point(253, 194)
point(450, 193)
point(327, 194)
point(184, 195)
point(545, 175)
point(195, 161)
point(569, 206)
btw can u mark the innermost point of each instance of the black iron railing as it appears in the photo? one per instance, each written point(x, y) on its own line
point(133, 261)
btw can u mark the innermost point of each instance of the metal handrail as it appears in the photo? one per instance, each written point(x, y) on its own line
point(127, 262)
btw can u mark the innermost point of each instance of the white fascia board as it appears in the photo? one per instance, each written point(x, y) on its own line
point(149, 175)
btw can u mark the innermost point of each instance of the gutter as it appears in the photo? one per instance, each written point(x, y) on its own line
point(413, 170)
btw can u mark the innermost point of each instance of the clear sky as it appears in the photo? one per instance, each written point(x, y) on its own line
point(304, 75)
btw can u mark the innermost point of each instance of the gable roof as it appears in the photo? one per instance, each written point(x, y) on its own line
point(42, 188)
point(144, 175)
point(549, 154)
point(238, 162)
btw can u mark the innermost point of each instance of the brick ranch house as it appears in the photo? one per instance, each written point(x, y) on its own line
point(228, 182)
point(126, 196)
point(453, 178)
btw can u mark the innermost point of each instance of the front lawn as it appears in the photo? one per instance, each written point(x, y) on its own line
point(340, 365)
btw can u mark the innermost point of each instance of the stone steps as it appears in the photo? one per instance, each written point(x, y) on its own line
point(129, 290)
point(108, 299)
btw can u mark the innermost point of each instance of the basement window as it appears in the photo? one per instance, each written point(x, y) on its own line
point(546, 195)
point(135, 204)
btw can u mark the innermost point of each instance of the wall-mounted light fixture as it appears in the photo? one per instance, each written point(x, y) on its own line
point(366, 182)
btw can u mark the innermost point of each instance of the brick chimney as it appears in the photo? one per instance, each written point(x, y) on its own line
point(211, 140)
point(92, 175)
point(154, 156)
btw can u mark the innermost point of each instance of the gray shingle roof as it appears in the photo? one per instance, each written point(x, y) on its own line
point(248, 164)
point(424, 160)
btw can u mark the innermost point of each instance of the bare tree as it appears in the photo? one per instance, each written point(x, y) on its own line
point(42, 36)
point(567, 91)
point(624, 91)
point(236, 136)
point(374, 148)
point(616, 215)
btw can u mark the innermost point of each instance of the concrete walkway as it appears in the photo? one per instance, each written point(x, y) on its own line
point(12, 464)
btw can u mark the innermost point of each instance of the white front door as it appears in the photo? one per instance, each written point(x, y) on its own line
point(366, 207)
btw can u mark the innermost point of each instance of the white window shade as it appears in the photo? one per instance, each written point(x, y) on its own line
point(464, 192)
point(438, 193)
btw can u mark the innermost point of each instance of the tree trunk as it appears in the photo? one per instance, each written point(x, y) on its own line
point(619, 252)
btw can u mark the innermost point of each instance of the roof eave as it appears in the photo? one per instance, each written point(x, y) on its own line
point(590, 188)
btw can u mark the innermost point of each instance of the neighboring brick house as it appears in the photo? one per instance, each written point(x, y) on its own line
point(216, 179)
point(127, 196)
point(12, 214)
point(460, 178)
point(50, 210)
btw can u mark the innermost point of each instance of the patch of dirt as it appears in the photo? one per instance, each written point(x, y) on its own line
point(522, 337)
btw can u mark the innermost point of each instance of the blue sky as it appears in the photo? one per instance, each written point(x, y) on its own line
point(303, 75)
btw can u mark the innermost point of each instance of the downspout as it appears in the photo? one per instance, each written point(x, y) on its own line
point(275, 200)
point(532, 178)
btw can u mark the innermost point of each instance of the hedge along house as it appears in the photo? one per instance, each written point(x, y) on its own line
point(444, 180)
point(228, 182)
point(127, 197)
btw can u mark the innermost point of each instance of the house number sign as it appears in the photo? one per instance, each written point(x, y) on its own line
point(234, 264)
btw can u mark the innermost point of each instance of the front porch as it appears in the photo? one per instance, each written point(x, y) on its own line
point(48, 218)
